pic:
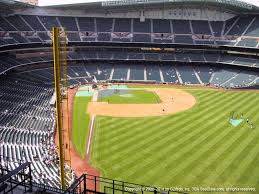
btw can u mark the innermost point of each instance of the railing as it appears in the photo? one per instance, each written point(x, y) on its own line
point(11, 179)
point(84, 184)
point(100, 185)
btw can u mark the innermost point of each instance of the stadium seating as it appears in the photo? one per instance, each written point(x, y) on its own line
point(222, 76)
point(122, 29)
point(241, 80)
point(187, 75)
point(27, 126)
point(137, 72)
point(120, 72)
point(7, 62)
point(27, 119)
point(169, 74)
point(153, 73)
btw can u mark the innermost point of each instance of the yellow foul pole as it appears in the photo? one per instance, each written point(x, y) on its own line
point(57, 79)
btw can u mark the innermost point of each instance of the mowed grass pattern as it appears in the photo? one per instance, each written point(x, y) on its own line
point(80, 124)
point(195, 148)
point(134, 97)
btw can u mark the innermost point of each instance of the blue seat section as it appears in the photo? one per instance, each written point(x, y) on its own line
point(34, 39)
point(18, 37)
point(5, 25)
point(205, 73)
point(225, 42)
point(248, 42)
point(204, 41)
point(122, 25)
point(169, 74)
point(161, 26)
point(18, 23)
point(77, 71)
point(152, 72)
point(144, 27)
point(121, 40)
point(217, 28)
point(105, 54)
point(141, 38)
point(104, 24)
point(253, 30)
point(44, 36)
point(183, 39)
point(240, 26)
point(200, 27)
point(152, 56)
point(89, 54)
point(135, 56)
point(181, 27)
point(49, 22)
point(73, 37)
point(167, 56)
point(211, 57)
point(137, 72)
point(69, 23)
point(227, 58)
point(33, 22)
point(245, 61)
point(104, 37)
point(223, 75)
point(182, 57)
point(86, 24)
point(229, 24)
point(133, 30)
point(103, 72)
point(90, 39)
point(91, 69)
point(196, 56)
point(120, 72)
point(120, 55)
point(162, 40)
point(187, 74)
point(241, 80)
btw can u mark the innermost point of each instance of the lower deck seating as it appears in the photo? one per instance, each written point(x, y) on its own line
point(27, 124)
point(187, 75)
point(137, 72)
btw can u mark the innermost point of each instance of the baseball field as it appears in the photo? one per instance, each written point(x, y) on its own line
point(197, 147)
point(80, 124)
point(132, 97)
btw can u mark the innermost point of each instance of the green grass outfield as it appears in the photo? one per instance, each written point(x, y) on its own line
point(195, 148)
point(80, 124)
point(138, 97)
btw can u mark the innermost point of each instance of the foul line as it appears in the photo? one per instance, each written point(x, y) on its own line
point(90, 135)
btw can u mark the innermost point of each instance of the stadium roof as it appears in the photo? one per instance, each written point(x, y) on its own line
point(60, 2)
point(6, 6)
point(235, 5)
point(13, 4)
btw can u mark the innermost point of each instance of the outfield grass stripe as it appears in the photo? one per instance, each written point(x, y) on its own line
point(172, 147)
point(232, 149)
point(199, 141)
point(206, 155)
point(161, 121)
point(80, 124)
point(126, 146)
point(238, 142)
point(241, 151)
